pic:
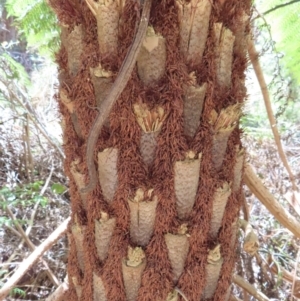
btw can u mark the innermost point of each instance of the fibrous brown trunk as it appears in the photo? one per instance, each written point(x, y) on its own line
point(161, 222)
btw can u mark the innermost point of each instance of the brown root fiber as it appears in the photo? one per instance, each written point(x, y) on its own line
point(176, 102)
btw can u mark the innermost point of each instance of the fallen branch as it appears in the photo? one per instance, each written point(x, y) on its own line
point(13, 230)
point(32, 258)
point(267, 199)
point(239, 281)
point(253, 54)
point(58, 294)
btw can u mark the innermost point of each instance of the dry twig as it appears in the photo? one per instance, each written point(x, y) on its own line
point(239, 281)
point(267, 199)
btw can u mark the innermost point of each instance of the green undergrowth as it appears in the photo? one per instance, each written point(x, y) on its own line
point(25, 196)
point(20, 197)
point(255, 121)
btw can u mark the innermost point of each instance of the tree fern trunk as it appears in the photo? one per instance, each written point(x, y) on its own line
point(162, 219)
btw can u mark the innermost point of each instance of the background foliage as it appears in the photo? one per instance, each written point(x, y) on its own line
point(37, 23)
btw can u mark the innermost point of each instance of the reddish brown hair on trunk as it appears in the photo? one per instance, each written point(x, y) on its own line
point(169, 156)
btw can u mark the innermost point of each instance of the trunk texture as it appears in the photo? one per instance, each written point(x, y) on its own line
point(161, 223)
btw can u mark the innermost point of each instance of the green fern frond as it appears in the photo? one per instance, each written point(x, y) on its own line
point(285, 28)
point(12, 70)
point(37, 22)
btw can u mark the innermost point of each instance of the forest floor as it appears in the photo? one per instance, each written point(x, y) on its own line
point(278, 247)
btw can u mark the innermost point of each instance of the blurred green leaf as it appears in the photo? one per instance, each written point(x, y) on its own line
point(17, 291)
point(37, 23)
point(15, 70)
point(58, 188)
point(5, 221)
point(43, 200)
point(36, 186)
